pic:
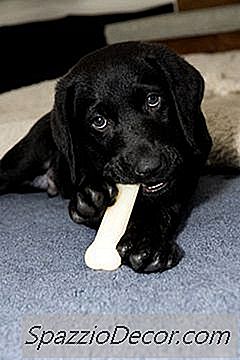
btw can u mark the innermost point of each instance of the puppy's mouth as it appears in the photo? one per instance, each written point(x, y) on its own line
point(154, 188)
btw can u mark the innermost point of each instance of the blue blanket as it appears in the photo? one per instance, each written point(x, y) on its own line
point(42, 268)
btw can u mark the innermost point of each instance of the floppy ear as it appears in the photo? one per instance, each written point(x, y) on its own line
point(62, 117)
point(186, 87)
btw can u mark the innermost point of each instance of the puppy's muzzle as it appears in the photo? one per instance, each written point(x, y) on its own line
point(147, 167)
point(134, 170)
point(153, 170)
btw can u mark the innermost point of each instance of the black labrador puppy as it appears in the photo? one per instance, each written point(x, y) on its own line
point(127, 113)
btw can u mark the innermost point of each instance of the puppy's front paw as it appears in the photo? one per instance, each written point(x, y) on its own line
point(90, 202)
point(3, 186)
point(144, 256)
point(4, 183)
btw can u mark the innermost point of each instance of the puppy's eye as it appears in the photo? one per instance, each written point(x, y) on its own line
point(153, 101)
point(99, 123)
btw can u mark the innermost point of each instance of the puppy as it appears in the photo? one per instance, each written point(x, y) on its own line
point(127, 113)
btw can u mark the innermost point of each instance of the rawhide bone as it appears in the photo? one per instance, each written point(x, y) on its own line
point(102, 253)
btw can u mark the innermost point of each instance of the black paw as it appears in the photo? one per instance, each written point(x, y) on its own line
point(144, 256)
point(4, 183)
point(3, 187)
point(90, 202)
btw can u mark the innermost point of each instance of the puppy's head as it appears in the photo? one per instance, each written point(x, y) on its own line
point(131, 112)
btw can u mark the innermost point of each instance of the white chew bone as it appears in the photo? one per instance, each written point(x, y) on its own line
point(102, 253)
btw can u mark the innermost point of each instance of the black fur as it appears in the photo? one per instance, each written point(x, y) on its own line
point(128, 113)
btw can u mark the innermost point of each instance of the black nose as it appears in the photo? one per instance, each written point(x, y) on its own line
point(147, 166)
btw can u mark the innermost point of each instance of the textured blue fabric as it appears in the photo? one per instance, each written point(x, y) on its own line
point(42, 268)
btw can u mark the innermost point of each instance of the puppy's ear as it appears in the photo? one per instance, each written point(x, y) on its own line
point(186, 87)
point(62, 117)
